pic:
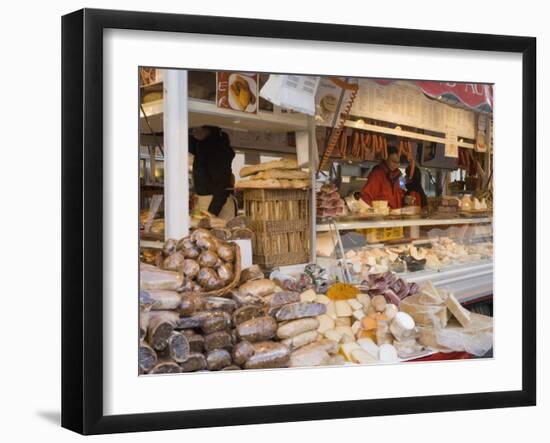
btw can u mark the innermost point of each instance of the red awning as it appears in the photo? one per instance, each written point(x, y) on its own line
point(478, 96)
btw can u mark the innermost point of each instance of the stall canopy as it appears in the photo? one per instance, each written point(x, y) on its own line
point(476, 96)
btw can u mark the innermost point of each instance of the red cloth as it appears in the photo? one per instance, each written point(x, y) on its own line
point(445, 356)
point(383, 184)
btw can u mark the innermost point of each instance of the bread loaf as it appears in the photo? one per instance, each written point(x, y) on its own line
point(275, 164)
point(280, 173)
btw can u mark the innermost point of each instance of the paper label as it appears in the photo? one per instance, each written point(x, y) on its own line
point(294, 92)
point(451, 143)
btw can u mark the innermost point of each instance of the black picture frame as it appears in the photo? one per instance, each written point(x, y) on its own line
point(82, 218)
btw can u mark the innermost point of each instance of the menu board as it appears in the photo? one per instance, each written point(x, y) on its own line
point(405, 104)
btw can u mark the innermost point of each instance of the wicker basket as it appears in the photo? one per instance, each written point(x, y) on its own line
point(236, 278)
point(280, 220)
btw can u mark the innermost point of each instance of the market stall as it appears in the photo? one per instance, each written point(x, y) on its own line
point(307, 273)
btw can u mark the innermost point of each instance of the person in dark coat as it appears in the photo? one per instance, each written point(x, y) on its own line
point(414, 187)
point(212, 158)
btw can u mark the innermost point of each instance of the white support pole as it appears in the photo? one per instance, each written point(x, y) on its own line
point(313, 162)
point(176, 171)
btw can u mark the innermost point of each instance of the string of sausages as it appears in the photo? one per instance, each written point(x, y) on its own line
point(406, 149)
point(339, 129)
point(361, 145)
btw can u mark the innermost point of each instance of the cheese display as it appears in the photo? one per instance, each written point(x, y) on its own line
point(433, 254)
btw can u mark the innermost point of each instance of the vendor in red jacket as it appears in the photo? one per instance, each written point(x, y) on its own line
point(383, 181)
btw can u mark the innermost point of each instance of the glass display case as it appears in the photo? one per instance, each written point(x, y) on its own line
point(455, 253)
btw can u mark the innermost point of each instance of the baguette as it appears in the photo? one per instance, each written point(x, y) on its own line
point(280, 173)
point(272, 184)
point(275, 164)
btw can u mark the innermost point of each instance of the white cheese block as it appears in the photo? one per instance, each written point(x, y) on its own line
point(347, 348)
point(345, 330)
point(402, 326)
point(355, 304)
point(390, 311)
point(308, 296)
point(343, 309)
point(359, 314)
point(333, 335)
point(362, 357)
point(356, 327)
point(325, 323)
point(342, 321)
point(331, 310)
point(323, 299)
point(364, 299)
point(368, 345)
point(461, 314)
point(387, 353)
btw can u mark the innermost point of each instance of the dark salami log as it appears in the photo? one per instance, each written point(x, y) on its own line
point(143, 324)
point(268, 355)
point(196, 343)
point(231, 368)
point(242, 351)
point(189, 304)
point(145, 300)
point(147, 357)
point(277, 300)
point(218, 340)
point(247, 312)
point(257, 329)
point(251, 273)
point(219, 304)
point(300, 310)
point(155, 278)
point(166, 367)
point(188, 323)
point(178, 345)
point(217, 359)
point(164, 300)
point(195, 362)
point(161, 325)
point(215, 321)
point(244, 299)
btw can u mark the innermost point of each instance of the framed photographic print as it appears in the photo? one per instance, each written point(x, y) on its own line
point(265, 221)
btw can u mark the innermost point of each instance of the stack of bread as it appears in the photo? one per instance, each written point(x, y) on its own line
point(276, 174)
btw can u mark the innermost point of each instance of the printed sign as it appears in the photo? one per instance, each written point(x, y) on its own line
point(237, 91)
point(451, 143)
point(481, 136)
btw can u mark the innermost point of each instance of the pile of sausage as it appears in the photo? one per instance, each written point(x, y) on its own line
point(255, 326)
